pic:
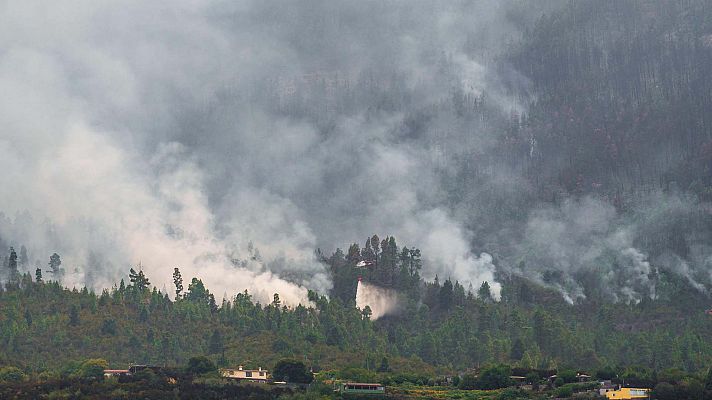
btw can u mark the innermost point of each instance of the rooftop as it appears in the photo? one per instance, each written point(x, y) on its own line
point(364, 384)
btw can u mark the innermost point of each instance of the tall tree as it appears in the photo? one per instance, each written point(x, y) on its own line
point(354, 254)
point(484, 293)
point(197, 292)
point(292, 371)
point(55, 263)
point(178, 282)
point(139, 281)
point(23, 261)
point(12, 265)
point(445, 298)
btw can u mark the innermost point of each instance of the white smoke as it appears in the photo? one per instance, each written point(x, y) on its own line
point(174, 133)
point(160, 220)
point(445, 247)
point(381, 301)
point(561, 244)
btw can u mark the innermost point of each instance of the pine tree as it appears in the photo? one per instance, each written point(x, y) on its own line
point(139, 282)
point(366, 313)
point(197, 292)
point(212, 304)
point(12, 265)
point(484, 292)
point(23, 261)
point(446, 295)
point(354, 254)
point(178, 282)
point(54, 264)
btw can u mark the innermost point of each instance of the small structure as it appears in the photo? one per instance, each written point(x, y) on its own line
point(116, 372)
point(519, 380)
point(582, 377)
point(606, 386)
point(253, 375)
point(628, 394)
point(354, 388)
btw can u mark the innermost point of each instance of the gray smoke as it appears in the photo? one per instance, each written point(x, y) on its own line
point(232, 139)
point(190, 133)
point(586, 242)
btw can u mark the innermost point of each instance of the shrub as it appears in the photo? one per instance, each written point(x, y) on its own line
point(568, 376)
point(664, 391)
point(358, 375)
point(200, 365)
point(495, 378)
point(468, 382)
point(12, 375)
point(149, 377)
point(91, 369)
point(291, 371)
point(565, 391)
point(456, 381)
point(47, 376)
point(513, 394)
point(671, 375)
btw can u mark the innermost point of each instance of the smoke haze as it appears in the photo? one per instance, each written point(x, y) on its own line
point(182, 133)
point(232, 139)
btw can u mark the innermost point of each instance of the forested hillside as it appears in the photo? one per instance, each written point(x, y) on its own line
point(441, 326)
point(552, 176)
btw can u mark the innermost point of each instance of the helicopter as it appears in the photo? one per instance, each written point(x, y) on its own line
point(364, 264)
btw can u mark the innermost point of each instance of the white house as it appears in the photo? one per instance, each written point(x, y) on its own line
point(256, 375)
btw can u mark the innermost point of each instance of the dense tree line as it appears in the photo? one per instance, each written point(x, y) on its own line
point(441, 324)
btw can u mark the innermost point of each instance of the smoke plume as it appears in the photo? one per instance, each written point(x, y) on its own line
point(195, 134)
point(232, 139)
point(381, 301)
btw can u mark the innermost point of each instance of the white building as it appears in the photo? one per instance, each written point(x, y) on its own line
point(256, 375)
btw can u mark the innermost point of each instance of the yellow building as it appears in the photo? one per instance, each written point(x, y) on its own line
point(628, 394)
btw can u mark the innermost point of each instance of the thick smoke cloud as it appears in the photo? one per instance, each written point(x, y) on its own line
point(585, 246)
point(232, 139)
point(197, 134)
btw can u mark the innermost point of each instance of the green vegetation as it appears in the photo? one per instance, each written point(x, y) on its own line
point(442, 327)
point(52, 334)
point(200, 365)
point(291, 371)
